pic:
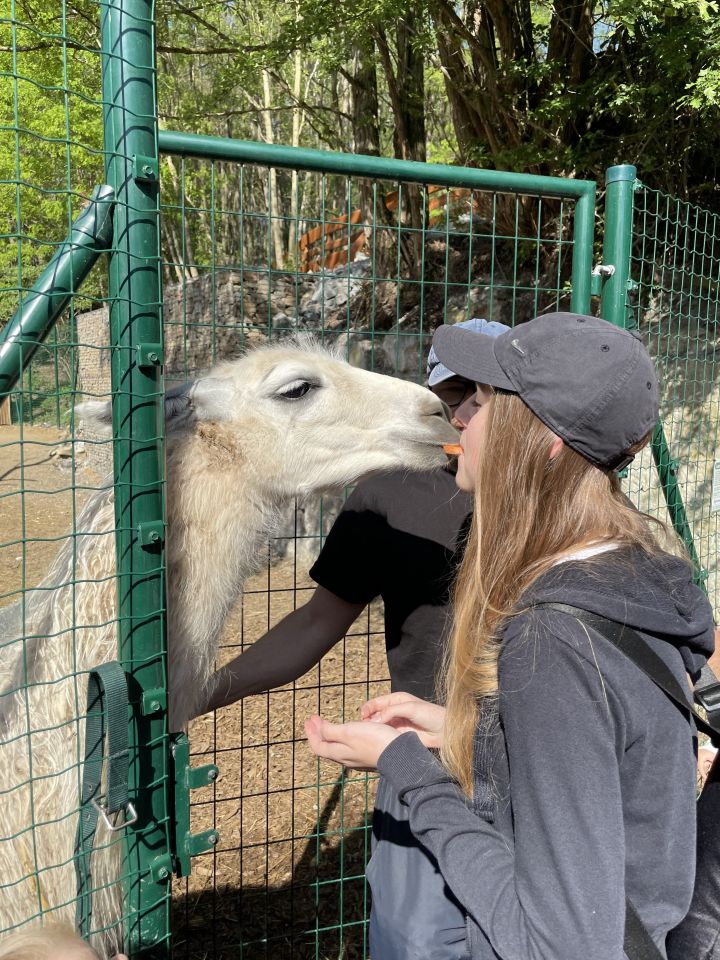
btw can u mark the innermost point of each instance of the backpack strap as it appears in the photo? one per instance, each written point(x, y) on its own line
point(635, 648)
point(707, 694)
point(638, 944)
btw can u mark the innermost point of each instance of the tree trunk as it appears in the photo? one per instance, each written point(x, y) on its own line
point(406, 86)
point(294, 181)
point(272, 185)
point(366, 129)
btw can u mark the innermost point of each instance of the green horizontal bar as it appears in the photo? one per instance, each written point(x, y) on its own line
point(90, 236)
point(359, 165)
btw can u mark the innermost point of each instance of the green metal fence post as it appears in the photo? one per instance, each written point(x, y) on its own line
point(583, 238)
point(617, 252)
point(130, 119)
point(617, 242)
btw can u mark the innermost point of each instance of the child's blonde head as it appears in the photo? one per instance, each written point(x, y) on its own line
point(53, 941)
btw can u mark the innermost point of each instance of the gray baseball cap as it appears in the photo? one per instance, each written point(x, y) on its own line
point(591, 382)
point(437, 372)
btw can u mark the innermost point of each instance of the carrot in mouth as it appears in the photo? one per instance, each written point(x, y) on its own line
point(452, 449)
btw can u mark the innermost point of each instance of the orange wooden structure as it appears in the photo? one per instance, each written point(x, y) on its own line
point(339, 240)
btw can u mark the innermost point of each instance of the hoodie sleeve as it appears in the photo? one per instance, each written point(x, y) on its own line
point(559, 893)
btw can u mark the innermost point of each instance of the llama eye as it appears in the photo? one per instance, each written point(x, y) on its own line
point(295, 390)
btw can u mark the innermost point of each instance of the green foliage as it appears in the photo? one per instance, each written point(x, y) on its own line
point(545, 86)
point(51, 148)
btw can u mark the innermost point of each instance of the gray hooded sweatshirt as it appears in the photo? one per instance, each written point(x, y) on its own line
point(585, 774)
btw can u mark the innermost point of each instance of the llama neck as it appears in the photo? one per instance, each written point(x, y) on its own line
point(218, 523)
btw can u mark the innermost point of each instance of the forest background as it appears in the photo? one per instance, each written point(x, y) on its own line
point(559, 87)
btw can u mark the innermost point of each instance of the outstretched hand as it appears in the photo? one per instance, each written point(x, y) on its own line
point(357, 744)
point(404, 712)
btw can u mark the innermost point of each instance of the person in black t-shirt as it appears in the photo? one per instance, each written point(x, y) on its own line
point(399, 536)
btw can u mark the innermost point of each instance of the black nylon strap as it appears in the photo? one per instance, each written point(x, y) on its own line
point(629, 642)
point(107, 712)
point(638, 944)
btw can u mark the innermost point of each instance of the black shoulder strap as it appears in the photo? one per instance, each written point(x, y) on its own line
point(638, 944)
point(629, 642)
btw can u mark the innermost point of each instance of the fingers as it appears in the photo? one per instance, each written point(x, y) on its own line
point(321, 741)
point(378, 704)
point(357, 745)
point(401, 711)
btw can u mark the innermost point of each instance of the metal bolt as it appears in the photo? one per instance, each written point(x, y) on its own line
point(154, 536)
point(213, 839)
point(153, 357)
point(163, 873)
point(154, 705)
point(147, 170)
point(213, 774)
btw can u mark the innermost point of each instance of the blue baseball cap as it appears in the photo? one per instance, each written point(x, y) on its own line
point(437, 372)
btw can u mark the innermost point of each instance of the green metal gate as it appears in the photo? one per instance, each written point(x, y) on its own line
point(382, 252)
point(287, 876)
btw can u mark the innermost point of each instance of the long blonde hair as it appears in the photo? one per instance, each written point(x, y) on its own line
point(529, 511)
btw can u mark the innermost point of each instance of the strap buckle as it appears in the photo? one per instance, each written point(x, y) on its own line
point(131, 816)
point(709, 699)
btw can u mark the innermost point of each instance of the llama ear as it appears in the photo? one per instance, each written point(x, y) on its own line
point(177, 401)
point(97, 414)
point(211, 398)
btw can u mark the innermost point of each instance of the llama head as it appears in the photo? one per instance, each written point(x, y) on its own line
point(308, 421)
point(304, 420)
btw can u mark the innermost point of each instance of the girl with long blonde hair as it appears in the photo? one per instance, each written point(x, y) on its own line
point(563, 796)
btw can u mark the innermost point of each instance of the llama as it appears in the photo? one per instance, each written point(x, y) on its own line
point(242, 442)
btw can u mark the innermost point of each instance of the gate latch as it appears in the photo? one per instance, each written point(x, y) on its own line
point(600, 272)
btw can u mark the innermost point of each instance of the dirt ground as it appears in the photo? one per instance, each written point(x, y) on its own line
point(287, 877)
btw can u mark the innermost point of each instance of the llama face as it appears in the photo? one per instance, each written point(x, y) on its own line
point(317, 423)
point(306, 421)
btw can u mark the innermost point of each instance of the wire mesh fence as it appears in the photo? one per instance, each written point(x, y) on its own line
point(257, 245)
point(58, 589)
point(350, 266)
point(674, 300)
point(51, 116)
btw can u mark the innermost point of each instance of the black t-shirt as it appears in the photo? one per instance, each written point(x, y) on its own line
point(399, 537)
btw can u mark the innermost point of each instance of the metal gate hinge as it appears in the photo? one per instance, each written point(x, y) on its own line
point(151, 534)
point(197, 843)
point(201, 776)
point(161, 868)
point(187, 778)
point(153, 701)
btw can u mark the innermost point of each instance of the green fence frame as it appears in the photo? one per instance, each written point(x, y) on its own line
point(135, 296)
point(132, 147)
point(621, 184)
point(408, 171)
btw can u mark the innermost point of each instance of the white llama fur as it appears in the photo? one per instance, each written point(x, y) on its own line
point(237, 453)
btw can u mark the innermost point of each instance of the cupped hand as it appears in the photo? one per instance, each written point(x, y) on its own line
point(357, 745)
point(404, 712)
